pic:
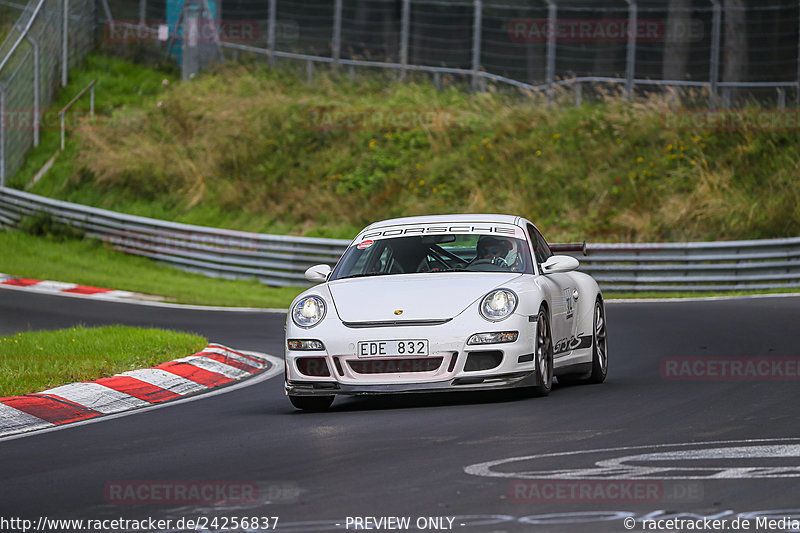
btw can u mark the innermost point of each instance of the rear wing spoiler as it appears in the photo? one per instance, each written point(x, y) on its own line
point(569, 247)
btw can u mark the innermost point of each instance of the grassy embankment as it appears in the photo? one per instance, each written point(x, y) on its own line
point(248, 148)
point(35, 361)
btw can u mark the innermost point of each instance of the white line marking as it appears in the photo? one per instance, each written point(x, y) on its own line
point(13, 420)
point(166, 380)
point(255, 363)
point(52, 286)
point(276, 369)
point(97, 397)
point(607, 467)
point(214, 366)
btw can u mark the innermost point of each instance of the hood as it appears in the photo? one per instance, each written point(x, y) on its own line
point(420, 296)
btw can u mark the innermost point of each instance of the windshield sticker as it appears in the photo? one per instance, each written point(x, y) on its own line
point(508, 230)
point(363, 245)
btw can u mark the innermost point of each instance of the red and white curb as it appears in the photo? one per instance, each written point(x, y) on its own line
point(216, 365)
point(72, 289)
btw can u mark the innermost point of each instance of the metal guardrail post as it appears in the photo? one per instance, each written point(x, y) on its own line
point(65, 44)
point(142, 12)
point(716, 33)
point(271, 31)
point(552, 16)
point(336, 45)
point(405, 28)
point(630, 61)
point(476, 43)
point(577, 94)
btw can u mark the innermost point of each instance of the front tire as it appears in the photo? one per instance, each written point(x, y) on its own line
point(599, 345)
point(543, 356)
point(311, 403)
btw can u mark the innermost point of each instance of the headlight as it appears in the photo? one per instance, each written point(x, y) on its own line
point(493, 337)
point(308, 311)
point(498, 305)
point(305, 345)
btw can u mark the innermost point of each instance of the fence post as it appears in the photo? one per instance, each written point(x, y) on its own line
point(36, 90)
point(552, 14)
point(109, 18)
point(405, 28)
point(476, 43)
point(716, 32)
point(578, 94)
point(142, 12)
point(190, 62)
point(65, 43)
point(630, 62)
point(2, 136)
point(797, 90)
point(337, 32)
point(271, 31)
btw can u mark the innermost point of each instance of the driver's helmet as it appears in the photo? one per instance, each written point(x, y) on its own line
point(490, 247)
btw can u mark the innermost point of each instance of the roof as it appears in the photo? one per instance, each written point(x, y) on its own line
point(438, 219)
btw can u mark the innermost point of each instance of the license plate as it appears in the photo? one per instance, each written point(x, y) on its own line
point(392, 348)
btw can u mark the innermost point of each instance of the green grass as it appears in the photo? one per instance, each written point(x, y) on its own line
point(245, 147)
point(88, 262)
point(36, 361)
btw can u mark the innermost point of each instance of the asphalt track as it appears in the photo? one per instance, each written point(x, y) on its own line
point(424, 456)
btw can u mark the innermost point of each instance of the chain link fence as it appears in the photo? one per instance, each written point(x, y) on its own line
point(730, 51)
point(725, 52)
point(49, 38)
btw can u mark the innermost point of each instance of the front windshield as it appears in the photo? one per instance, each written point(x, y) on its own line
point(464, 252)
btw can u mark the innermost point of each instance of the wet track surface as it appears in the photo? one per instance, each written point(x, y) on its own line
point(652, 442)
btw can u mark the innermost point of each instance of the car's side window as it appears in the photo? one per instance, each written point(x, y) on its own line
point(540, 248)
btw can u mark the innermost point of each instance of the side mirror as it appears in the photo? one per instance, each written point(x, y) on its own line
point(560, 263)
point(318, 273)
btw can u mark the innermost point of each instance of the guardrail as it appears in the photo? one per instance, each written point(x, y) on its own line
point(272, 259)
point(282, 260)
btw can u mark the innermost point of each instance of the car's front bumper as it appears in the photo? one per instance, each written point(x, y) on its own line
point(459, 384)
point(389, 375)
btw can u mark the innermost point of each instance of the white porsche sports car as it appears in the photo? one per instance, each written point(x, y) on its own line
point(445, 303)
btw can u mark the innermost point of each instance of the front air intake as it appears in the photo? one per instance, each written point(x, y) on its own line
point(396, 366)
point(483, 360)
